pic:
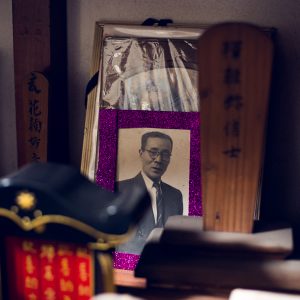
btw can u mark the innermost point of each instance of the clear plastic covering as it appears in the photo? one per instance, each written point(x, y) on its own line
point(149, 74)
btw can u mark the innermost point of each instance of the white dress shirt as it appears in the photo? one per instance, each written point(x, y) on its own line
point(152, 191)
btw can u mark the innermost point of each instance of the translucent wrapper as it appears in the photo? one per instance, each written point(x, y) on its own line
point(140, 68)
point(149, 74)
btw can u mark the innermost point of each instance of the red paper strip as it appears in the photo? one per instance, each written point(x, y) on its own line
point(46, 270)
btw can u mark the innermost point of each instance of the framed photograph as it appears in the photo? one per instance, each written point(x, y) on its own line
point(146, 92)
point(129, 160)
point(122, 158)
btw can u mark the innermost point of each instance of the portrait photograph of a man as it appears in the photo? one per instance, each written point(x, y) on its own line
point(158, 160)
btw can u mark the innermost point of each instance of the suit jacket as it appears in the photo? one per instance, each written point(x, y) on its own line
point(172, 205)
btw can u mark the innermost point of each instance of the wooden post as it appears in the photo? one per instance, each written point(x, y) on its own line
point(234, 77)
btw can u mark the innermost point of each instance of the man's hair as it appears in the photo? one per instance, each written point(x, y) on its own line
point(154, 134)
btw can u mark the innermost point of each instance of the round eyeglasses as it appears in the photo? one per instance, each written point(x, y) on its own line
point(165, 155)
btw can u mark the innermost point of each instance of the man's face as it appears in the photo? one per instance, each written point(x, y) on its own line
point(154, 165)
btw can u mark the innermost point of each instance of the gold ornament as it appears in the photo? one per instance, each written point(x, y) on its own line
point(26, 200)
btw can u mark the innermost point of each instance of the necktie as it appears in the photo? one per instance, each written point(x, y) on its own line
point(159, 204)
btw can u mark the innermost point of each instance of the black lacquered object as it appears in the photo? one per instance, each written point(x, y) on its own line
point(55, 201)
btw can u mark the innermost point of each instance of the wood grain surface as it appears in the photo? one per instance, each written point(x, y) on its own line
point(31, 30)
point(234, 77)
point(39, 38)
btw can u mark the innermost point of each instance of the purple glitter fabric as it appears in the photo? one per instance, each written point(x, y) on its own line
point(125, 261)
point(110, 121)
point(108, 139)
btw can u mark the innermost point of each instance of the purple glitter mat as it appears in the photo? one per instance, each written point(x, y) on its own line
point(125, 261)
point(110, 121)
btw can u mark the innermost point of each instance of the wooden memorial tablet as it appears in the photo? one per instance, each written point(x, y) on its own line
point(234, 77)
point(39, 40)
point(34, 118)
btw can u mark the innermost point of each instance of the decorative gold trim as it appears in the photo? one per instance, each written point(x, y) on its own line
point(104, 241)
point(15, 209)
point(37, 213)
point(106, 267)
point(93, 267)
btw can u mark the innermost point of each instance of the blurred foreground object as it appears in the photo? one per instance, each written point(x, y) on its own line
point(242, 294)
point(183, 255)
point(58, 203)
point(112, 296)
